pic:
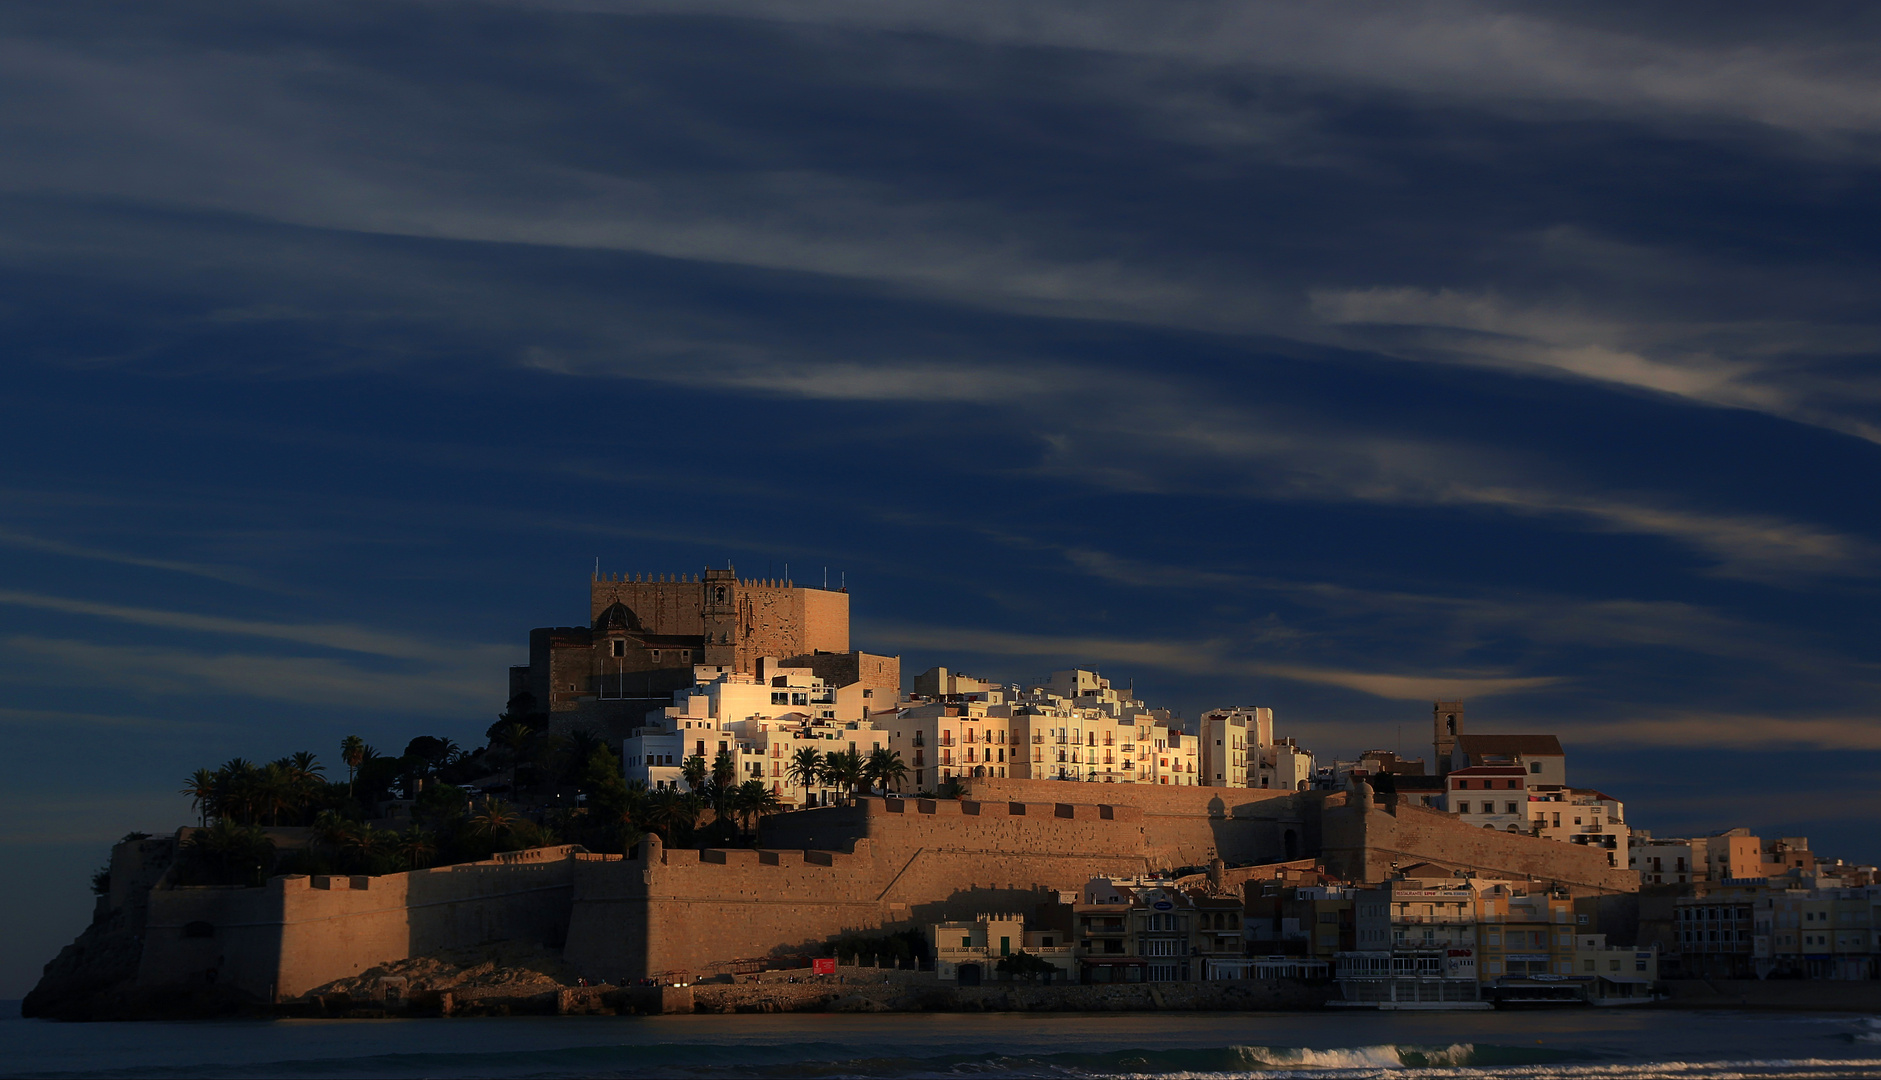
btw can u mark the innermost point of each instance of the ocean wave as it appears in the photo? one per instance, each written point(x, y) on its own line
point(844, 1061)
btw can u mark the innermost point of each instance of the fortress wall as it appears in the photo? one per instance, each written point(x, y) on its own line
point(899, 827)
point(897, 864)
point(1362, 842)
point(1190, 826)
point(243, 948)
point(663, 607)
point(335, 927)
point(824, 619)
point(685, 911)
point(296, 932)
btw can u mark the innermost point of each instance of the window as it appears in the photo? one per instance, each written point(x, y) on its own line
point(1534, 766)
point(1462, 808)
point(1512, 808)
point(620, 647)
point(656, 656)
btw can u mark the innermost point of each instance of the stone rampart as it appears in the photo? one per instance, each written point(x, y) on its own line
point(1190, 826)
point(878, 865)
point(1364, 841)
point(296, 932)
point(883, 864)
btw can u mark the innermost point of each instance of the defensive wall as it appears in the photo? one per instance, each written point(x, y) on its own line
point(1364, 840)
point(1191, 826)
point(880, 865)
point(298, 932)
point(773, 617)
point(877, 865)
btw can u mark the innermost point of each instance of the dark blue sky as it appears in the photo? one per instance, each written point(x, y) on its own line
point(1322, 356)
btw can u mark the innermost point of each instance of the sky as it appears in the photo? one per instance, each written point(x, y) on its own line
point(1326, 356)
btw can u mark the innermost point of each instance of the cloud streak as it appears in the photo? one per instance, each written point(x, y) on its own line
point(303, 680)
point(338, 636)
point(1215, 657)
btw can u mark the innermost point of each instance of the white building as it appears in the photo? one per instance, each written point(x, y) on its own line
point(761, 720)
point(1289, 767)
point(1585, 817)
point(1489, 796)
point(1233, 744)
point(979, 943)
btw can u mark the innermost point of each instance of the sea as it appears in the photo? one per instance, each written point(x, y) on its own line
point(1607, 1044)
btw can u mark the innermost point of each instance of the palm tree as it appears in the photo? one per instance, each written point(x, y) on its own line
point(306, 771)
point(577, 747)
point(695, 773)
point(236, 790)
point(274, 789)
point(805, 769)
point(331, 830)
point(201, 788)
point(842, 769)
point(353, 753)
point(753, 798)
point(724, 779)
point(884, 767)
point(233, 847)
point(496, 819)
point(416, 847)
point(671, 813)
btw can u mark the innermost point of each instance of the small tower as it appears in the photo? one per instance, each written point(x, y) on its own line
point(719, 609)
point(1446, 719)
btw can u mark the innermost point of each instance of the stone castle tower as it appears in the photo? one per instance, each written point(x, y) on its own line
point(1446, 724)
point(651, 634)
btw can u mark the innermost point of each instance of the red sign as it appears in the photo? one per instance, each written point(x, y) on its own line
point(823, 966)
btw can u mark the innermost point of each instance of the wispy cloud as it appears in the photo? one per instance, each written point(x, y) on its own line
point(61, 718)
point(339, 636)
point(1411, 687)
point(298, 679)
point(1765, 731)
point(28, 541)
point(1677, 358)
point(1146, 438)
point(1488, 54)
point(1214, 657)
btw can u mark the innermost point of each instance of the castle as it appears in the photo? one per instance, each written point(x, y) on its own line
point(652, 635)
point(877, 864)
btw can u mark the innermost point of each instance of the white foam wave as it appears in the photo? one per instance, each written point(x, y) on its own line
point(1382, 1056)
point(1367, 1062)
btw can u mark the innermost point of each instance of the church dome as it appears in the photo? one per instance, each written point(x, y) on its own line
point(617, 616)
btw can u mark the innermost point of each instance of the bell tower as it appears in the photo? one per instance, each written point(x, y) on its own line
point(718, 607)
point(1446, 719)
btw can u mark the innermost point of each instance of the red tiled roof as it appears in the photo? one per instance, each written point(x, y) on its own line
point(1510, 745)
